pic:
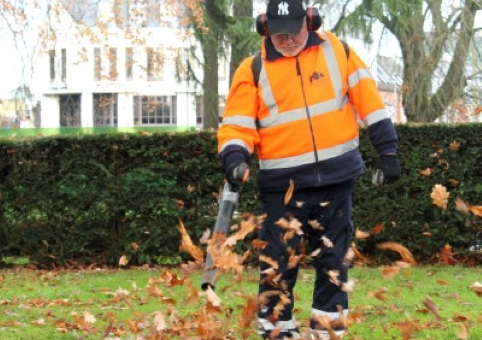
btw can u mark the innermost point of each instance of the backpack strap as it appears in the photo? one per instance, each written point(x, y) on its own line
point(256, 63)
point(256, 67)
point(346, 47)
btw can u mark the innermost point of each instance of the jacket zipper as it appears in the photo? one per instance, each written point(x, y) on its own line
point(308, 115)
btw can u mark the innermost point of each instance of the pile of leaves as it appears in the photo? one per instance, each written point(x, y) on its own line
point(221, 248)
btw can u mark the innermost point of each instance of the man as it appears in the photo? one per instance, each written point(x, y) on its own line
point(301, 118)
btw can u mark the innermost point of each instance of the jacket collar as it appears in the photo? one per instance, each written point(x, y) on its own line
point(271, 54)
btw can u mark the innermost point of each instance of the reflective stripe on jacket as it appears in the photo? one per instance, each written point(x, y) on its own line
point(303, 117)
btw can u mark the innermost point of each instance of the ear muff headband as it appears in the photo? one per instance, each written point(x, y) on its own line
point(313, 21)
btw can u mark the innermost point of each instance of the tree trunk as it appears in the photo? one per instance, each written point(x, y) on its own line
point(430, 83)
point(420, 104)
point(241, 9)
point(210, 43)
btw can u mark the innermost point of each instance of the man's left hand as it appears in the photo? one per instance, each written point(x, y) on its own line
point(387, 170)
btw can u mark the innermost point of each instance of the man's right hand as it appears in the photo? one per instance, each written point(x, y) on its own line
point(237, 174)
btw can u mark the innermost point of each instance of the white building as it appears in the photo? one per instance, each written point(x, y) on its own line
point(120, 64)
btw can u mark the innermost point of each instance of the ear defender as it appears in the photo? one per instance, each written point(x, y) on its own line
point(313, 21)
point(313, 18)
point(261, 24)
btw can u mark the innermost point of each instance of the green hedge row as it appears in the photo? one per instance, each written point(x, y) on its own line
point(94, 198)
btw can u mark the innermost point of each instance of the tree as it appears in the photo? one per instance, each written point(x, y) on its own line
point(21, 22)
point(215, 20)
point(431, 83)
point(243, 40)
point(219, 34)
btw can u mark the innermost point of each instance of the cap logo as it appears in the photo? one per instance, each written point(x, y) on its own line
point(283, 8)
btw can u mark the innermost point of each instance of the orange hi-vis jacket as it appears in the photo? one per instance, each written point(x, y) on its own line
point(302, 118)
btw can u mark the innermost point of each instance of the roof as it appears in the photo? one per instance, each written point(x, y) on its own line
point(389, 74)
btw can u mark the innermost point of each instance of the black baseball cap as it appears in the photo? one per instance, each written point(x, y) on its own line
point(285, 16)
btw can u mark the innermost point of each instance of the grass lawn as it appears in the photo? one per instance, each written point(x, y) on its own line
point(426, 303)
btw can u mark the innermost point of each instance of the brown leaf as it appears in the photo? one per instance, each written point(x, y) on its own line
point(205, 236)
point(461, 206)
point(249, 311)
point(358, 254)
point(440, 196)
point(259, 244)
point(447, 254)
point(361, 234)
point(403, 251)
point(443, 163)
point(333, 276)
point(123, 261)
point(327, 242)
point(187, 246)
point(463, 334)
point(477, 288)
point(390, 272)
point(425, 172)
point(316, 225)
point(453, 182)
point(380, 294)
point(476, 210)
point(454, 146)
point(407, 328)
point(269, 260)
point(289, 192)
point(378, 228)
point(180, 204)
point(212, 297)
point(431, 306)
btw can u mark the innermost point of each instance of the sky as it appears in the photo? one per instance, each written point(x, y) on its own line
point(10, 68)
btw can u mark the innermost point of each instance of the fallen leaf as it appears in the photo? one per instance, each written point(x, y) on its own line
point(431, 306)
point(378, 228)
point(461, 206)
point(289, 192)
point(447, 254)
point(361, 234)
point(403, 251)
point(425, 172)
point(123, 261)
point(454, 146)
point(440, 196)
point(477, 288)
point(390, 272)
point(188, 246)
point(205, 236)
point(476, 210)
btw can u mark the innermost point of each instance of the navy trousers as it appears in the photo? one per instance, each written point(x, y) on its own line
point(326, 217)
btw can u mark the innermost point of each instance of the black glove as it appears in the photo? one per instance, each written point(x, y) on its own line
point(387, 170)
point(237, 173)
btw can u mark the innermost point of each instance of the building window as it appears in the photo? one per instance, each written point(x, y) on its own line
point(185, 63)
point(97, 63)
point(155, 110)
point(155, 65)
point(153, 13)
point(113, 63)
point(105, 109)
point(199, 110)
point(64, 64)
point(129, 62)
point(69, 110)
point(52, 65)
point(137, 14)
point(121, 13)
